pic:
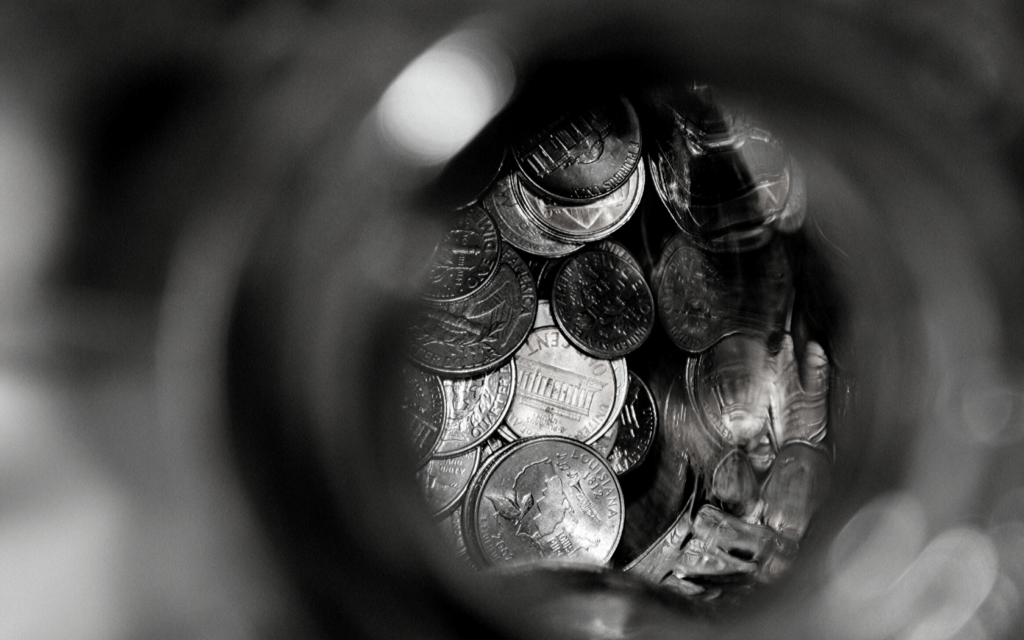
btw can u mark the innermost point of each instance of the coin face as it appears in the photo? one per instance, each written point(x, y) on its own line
point(586, 222)
point(636, 427)
point(561, 390)
point(444, 481)
point(585, 153)
point(474, 407)
point(603, 304)
point(691, 299)
point(517, 227)
point(465, 258)
point(614, 247)
point(479, 332)
point(421, 403)
point(547, 499)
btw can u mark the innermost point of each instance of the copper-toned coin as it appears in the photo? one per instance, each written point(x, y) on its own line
point(465, 258)
point(603, 304)
point(636, 427)
point(421, 403)
point(480, 332)
point(546, 499)
point(586, 222)
point(474, 408)
point(444, 480)
point(517, 227)
point(561, 390)
point(691, 296)
point(585, 153)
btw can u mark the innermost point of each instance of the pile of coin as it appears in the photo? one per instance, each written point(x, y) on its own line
point(560, 339)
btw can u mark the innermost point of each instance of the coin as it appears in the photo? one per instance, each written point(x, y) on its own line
point(585, 153)
point(636, 427)
point(544, 316)
point(451, 530)
point(614, 247)
point(603, 304)
point(690, 294)
point(561, 390)
point(604, 444)
point(479, 332)
point(465, 258)
point(726, 182)
point(444, 481)
point(586, 222)
point(517, 227)
point(546, 499)
point(474, 407)
point(421, 403)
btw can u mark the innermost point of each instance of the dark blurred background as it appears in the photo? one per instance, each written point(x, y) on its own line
point(148, 150)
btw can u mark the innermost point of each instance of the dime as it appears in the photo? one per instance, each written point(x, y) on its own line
point(481, 331)
point(551, 499)
point(517, 227)
point(561, 390)
point(691, 299)
point(444, 480)
point(465, 258)
point(603, 304)
point(614, 247)
point(474, 407)
point(586, 222)
point(586, 153)
point(636, 426)
point(421, 403)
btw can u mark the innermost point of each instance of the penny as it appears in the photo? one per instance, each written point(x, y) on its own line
point(517, 227)
point(690, 294)
point(474, 407)
point(561, 390)
point(636, 427)
point(479, 332)
point(421, 405)
point(444, 481)
point(584, 154)
point(586, 222)
point(546, 499)
point(603, 304)
point(465, 258)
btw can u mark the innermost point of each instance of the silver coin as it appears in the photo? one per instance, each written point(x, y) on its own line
point(561, 390)
point(474, 407)
point(479, 332)
point(544, 316)
point(604, 444)
point(602, 304)
point(691, 297)
point(636, 427)
point(617, 249)
point(465, 258)
point(590, 221)
point(421, 406)
point(583, 153)
point(451, 530)
point(444, 481)
point(546, 499)
point(517, 227)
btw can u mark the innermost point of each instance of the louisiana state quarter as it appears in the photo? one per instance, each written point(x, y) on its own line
point(561, 390)
point(547, 499)
point(603, 304)
point(474, 407)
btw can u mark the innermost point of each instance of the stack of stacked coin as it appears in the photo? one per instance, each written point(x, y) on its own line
point(527, 422)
